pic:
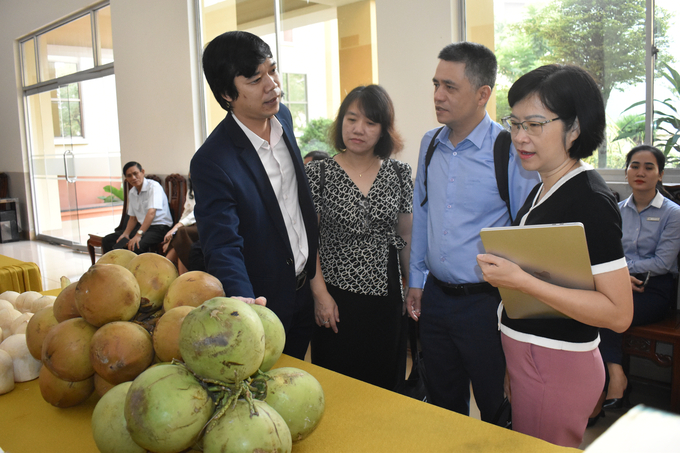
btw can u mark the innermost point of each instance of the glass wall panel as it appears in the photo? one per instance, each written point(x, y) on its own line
point(30, 71)
point(606, 37)
point(105, 42)
point(74, 147)
point(324, 49)
point(71, 42)
point(666, 124)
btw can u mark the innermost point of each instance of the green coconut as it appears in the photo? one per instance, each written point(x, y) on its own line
point(222, 339)
point(240, 431)
point(166, 408)
point(274, 336)
point(109, 428)
point(298, 397)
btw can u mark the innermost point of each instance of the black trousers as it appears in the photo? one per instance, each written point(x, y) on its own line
point(150, 239)
point(648, 307)
point(461, 345)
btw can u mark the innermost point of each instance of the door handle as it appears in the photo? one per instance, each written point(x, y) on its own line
point(69, 178)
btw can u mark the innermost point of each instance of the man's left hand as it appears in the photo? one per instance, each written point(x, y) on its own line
point(133, 244)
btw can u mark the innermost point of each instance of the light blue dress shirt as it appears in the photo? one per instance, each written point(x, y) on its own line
point(463, 198)
point(651, 237)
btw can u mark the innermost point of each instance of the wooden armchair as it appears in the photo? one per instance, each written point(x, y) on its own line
point(176, 190)
point(96, 240)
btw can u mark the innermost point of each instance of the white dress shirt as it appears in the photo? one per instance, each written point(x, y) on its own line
point(278, 164)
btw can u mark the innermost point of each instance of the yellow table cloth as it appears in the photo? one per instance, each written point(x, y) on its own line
point(19, 276)
point(359, 418)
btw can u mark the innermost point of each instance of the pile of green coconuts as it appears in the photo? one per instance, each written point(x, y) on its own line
point(177, 365)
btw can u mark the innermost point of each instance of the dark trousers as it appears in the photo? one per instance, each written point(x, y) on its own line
point(648, 307)
point(150, 239)
point(461, 345)
point(182, 241)
point(300, 325)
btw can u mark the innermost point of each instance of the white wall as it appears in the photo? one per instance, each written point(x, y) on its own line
point(159, 118)
point(410, 37)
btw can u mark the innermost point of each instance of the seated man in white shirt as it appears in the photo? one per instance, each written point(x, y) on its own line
point(147, 203)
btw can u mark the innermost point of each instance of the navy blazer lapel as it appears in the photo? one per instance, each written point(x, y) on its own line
point(252, 162)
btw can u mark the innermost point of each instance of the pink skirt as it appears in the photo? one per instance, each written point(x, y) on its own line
point(553, 392)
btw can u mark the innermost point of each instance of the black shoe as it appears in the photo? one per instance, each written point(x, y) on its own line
point(619, 403)
point(593, 420)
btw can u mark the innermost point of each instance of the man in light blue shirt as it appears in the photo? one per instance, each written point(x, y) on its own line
point(458, 323)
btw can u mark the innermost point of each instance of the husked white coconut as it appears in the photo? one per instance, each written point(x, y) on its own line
point(25, 300)
point(26, 367)
point(19, 324)
point(10, 296)
point(41, 303)
point(7, 316)
point(6, 372)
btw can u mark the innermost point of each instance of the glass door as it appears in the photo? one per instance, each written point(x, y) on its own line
point(75, 160)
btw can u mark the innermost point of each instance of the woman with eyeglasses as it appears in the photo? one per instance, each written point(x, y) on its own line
point(651, 243)
point(364, 202)
point(554, 365)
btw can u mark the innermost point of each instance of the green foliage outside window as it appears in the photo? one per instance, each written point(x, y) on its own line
point(315, 137)
point(666, 123)
point(605, 37)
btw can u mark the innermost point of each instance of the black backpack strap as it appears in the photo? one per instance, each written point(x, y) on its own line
point(501, 158)
point(428, 158)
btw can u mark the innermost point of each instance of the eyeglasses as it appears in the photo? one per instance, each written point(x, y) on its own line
point(531, 127)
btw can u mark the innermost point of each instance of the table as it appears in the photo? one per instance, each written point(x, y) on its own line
point(19, 276)
point(359, 418)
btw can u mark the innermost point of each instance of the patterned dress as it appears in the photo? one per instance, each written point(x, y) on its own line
point(359, 252)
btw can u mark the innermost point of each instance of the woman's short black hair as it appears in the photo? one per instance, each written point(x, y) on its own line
point(232, 54)
point(377, 106)
point(658, 155)
point(571, 93)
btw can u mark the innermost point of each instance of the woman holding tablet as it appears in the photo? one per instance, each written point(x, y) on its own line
point(554, 366)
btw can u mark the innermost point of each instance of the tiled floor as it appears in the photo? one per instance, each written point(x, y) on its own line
point(56, 261)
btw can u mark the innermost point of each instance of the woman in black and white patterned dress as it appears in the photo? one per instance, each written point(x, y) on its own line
point(364, 201)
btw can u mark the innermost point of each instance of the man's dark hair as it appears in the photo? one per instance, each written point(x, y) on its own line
point(571, 94)
point(480, 62)
point(127, 166)
point(232, 54)
point(317, 155)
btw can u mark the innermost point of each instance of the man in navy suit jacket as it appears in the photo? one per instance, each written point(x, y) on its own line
point(254, 211)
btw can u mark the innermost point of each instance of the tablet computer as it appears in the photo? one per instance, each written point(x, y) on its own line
point(556, 253)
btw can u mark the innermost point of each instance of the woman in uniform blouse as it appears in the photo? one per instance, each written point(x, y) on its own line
point(364, 202)
point(651, 242)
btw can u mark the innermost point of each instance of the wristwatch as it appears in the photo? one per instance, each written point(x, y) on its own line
point(140, 232)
